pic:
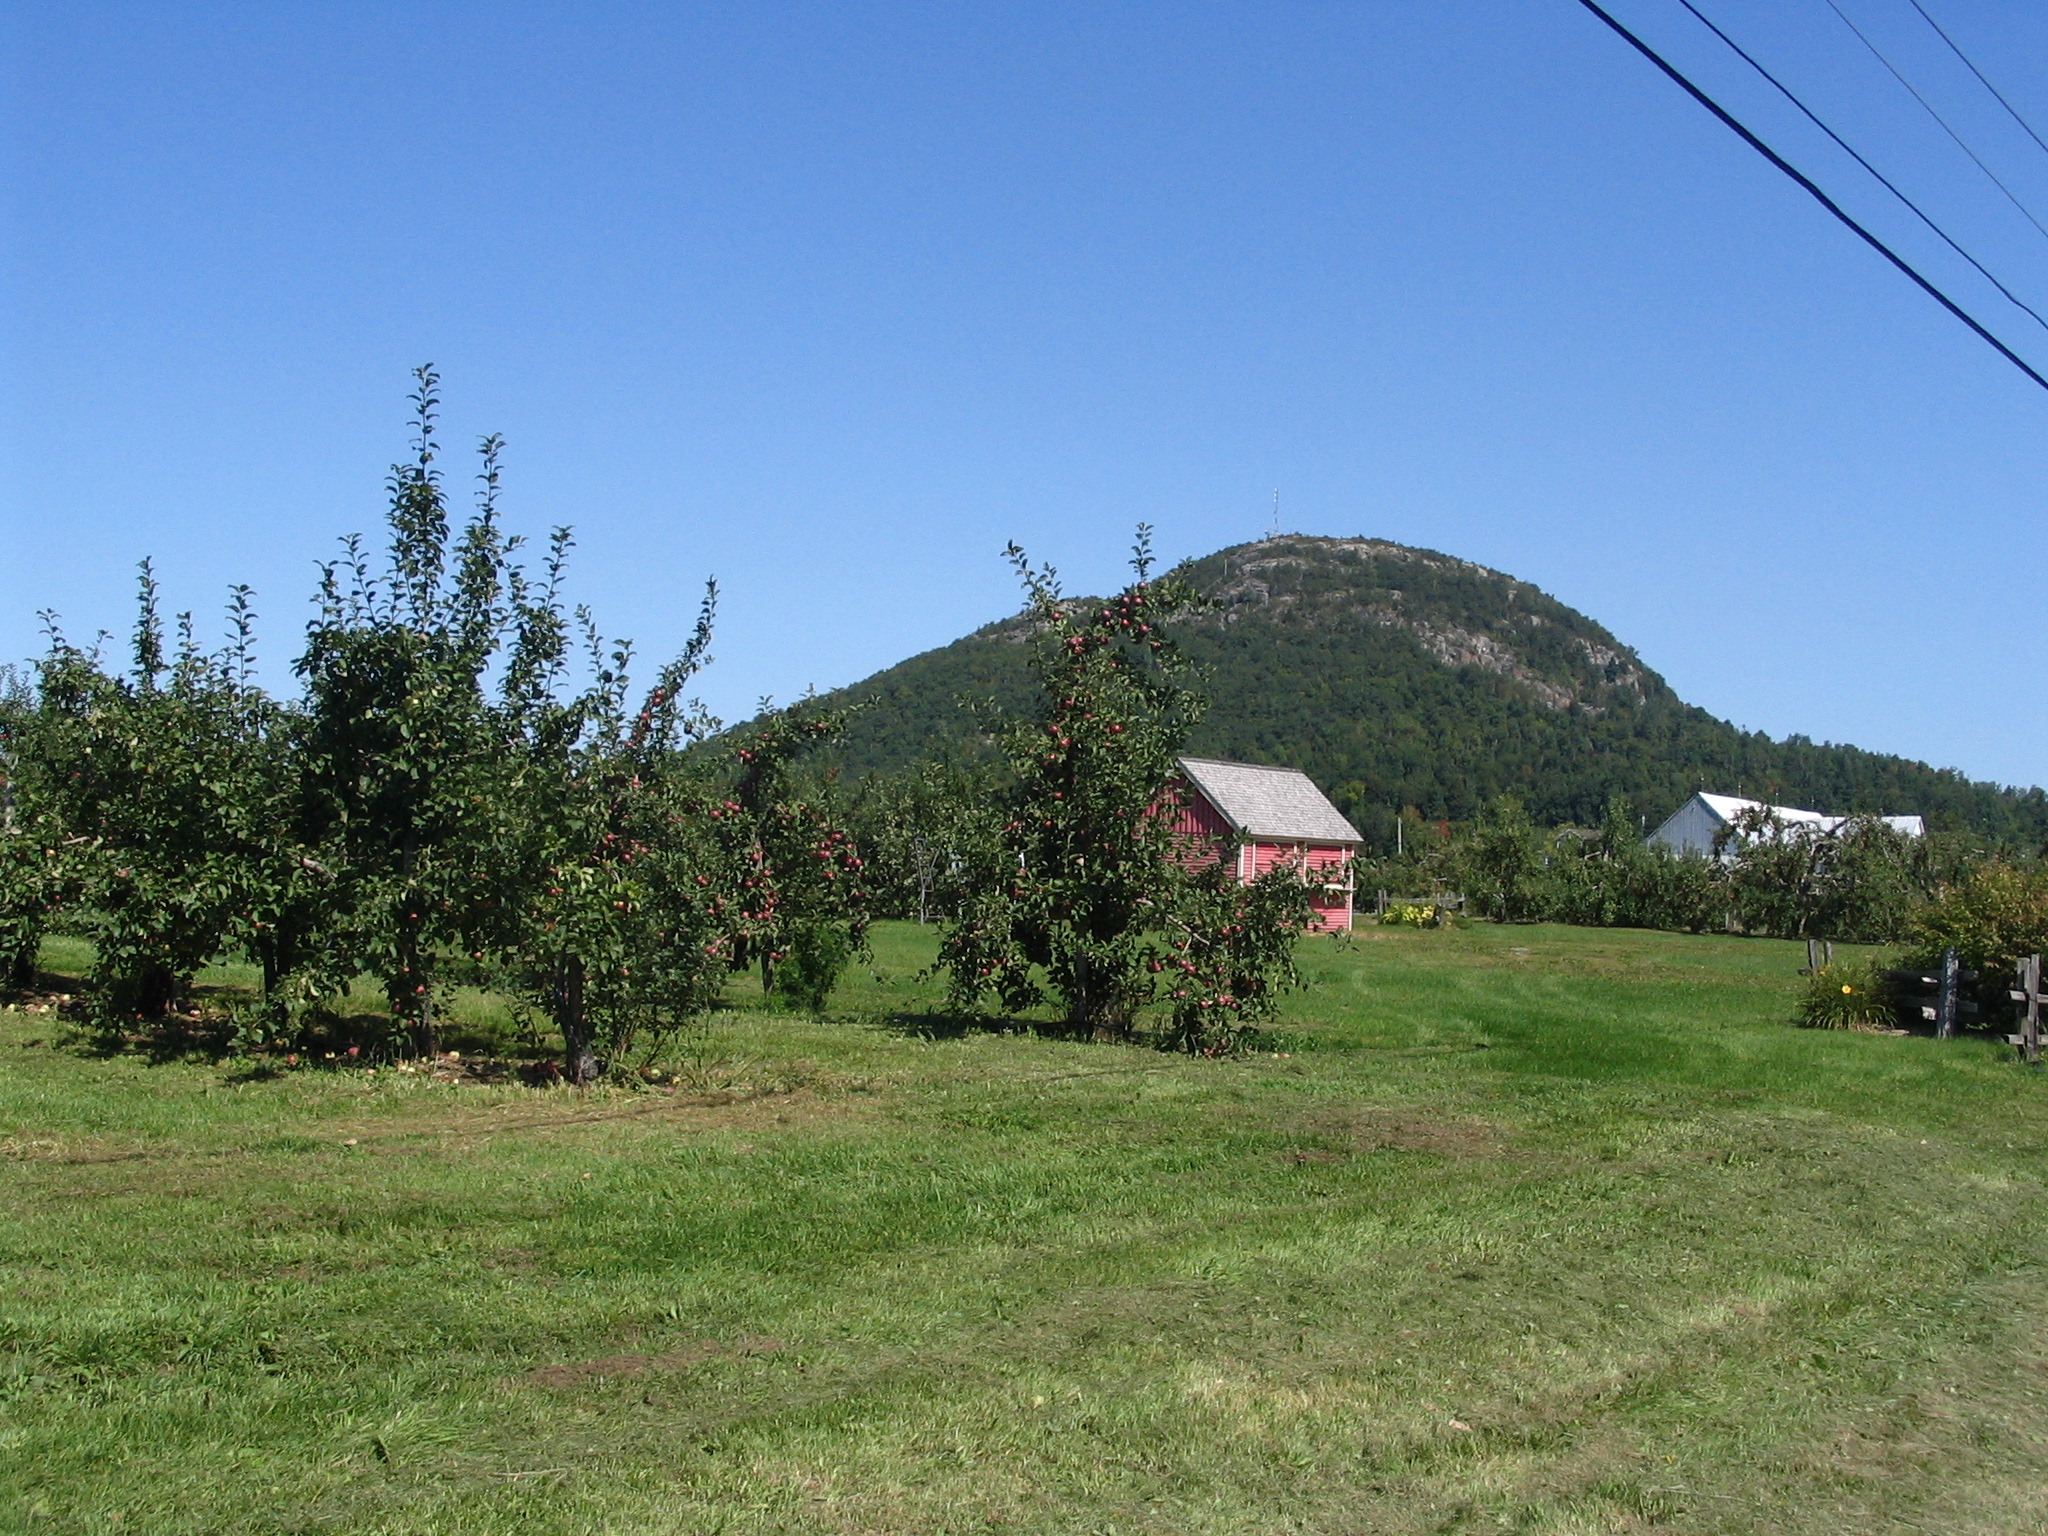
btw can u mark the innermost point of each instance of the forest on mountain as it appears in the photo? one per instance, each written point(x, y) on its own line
point(1404, 680)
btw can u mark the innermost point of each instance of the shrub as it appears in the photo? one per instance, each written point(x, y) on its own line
point(1410, 914)
point(1849, 996)
point(1992, 919)
point(818, 953)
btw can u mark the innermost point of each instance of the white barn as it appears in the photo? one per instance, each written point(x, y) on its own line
point(1693, 827)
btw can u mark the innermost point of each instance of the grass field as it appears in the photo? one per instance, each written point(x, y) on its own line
point(1515, 1229)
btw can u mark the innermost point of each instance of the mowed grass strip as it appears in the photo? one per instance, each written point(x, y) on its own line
point(1522, 1229)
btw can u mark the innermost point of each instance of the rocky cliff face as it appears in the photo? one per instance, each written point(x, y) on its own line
point(1460, 613)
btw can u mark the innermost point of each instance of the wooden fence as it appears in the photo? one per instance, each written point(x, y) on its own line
point(1936, 998)
point(2027, 1001)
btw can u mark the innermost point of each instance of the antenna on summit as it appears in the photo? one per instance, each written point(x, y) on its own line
point(1276, 512)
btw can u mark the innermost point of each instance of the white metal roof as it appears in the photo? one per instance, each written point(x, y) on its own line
point(1269, 802)
point(1727, 807)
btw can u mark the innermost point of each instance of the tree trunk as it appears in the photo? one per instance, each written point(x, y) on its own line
point(416, 998)
point(414, 1002)
point(1099, 1013)
point(155, 991)
point(572, 1017)
point(21, 966)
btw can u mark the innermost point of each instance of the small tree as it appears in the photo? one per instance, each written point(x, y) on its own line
point(1500, 863)
point(1229, 951)
point(1795, 879)
point(794, 883)
point(401, 756)
point(1087, 889)
point(33, 841)
point(1771, 868)
point(468, 800)
point(610, 929)
point(161, 783)
point(1865, 883)
point(921, 831)
point(1615, 879)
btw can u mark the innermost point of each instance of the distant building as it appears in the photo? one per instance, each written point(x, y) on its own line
point(1695, 825)
point(1282, 818)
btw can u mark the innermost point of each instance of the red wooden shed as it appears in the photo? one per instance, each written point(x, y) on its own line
point(1282, 818)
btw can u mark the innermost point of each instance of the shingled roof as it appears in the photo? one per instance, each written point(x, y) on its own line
point(1281, 803)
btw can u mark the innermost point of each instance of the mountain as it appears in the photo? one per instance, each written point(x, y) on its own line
point(1401, 677)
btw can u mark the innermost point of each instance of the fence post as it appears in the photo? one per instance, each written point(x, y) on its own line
point(2032, 1028)
point(1945, 1002)
point(2028, 998)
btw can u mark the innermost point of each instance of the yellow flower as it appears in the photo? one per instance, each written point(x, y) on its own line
point(1847, 990)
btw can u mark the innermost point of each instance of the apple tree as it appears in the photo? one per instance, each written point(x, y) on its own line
point(1088, 890)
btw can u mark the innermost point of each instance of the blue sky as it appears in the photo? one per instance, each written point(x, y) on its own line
point(831, 301)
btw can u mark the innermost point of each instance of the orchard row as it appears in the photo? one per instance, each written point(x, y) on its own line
point(470, 787)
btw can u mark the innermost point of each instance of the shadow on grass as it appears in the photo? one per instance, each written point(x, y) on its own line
point(42, 988)
point(202, 1031)
point(49, 984)
point(938, 1024)
point(161, 1042)
point(205, 1032)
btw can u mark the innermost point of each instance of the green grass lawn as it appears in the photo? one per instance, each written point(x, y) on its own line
point(1516, 1229)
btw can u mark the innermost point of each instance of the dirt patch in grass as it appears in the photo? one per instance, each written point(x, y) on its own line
point(625, 1366)
point(1331, 1136)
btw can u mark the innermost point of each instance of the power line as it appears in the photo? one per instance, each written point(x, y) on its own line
point(1883, 180)
point(1945, 128)
point(1956, 49)
point(1813, 191)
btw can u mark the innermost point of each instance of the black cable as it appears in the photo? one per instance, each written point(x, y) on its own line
point(1882, 179)
point(1815, 192)
point(1956, 49)
point(1928, 106)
